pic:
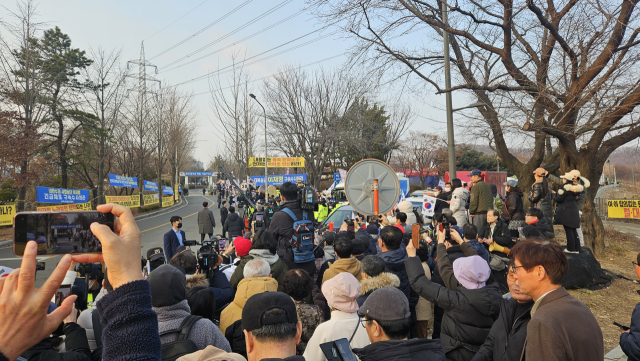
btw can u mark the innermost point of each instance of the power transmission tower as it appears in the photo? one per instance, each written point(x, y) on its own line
point(141, 112)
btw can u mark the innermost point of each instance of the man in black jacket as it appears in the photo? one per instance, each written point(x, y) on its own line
point(506, 338)
point(535, 217)
point(630, 338)
point(281, 227)
point(234, 224)
point(224, 213)
point(388, 330)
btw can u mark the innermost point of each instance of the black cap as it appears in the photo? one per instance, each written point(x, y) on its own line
point(155, 253)
point(168, 285)
point(253, 312)
point(181, 249)
point(376, 306)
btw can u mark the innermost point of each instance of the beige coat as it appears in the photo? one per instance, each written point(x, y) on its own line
point(424, 308)
point(348, 265)
point(246, 288)
point(341, 325)
point(211, 353)
point(206, 222)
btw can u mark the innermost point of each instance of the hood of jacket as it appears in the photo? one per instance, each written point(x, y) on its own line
point(211, 353)
point(543, 223)
point(384, 279)
point(460, 192)
point(196, 280)
point(265, 255)
point(575, 188)
point(395, 256)
point(349, 265)
point(330, 251)
point(252, 286)
point(486, 300)
point(403, 350)
point(168, 313)
point(233, 217)
point(585, 182)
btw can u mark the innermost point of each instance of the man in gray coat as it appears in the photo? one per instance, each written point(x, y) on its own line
point(206, 222)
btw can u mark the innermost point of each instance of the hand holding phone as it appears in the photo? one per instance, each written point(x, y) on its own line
point(415, 235)
point(624, 328)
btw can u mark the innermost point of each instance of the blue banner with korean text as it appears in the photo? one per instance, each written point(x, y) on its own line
point(277, 180)
point(167, 190)
point(150, 186)
point(122, 181)
point(61, 195)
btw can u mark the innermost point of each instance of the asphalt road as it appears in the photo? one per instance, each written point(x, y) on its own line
point(152, 229)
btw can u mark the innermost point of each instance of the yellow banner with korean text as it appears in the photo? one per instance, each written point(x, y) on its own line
point(623, 208)
point(66, 207)
point(127, 201)
point(6, 215)
point(277, 162)
point(167, 201)
point(150, 199)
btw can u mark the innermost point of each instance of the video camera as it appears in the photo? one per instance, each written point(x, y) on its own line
point(207, 254)
point(307, 197)
point(87, 269)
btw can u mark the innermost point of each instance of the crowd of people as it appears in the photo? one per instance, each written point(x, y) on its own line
point(484, 284)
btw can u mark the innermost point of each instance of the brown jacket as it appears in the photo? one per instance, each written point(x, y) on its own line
point(211, 353)
point(563, 328)
point(246, 288)
point(349, 265)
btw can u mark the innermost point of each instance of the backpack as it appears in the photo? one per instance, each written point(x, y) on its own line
point(302, 238)
point(181, 345)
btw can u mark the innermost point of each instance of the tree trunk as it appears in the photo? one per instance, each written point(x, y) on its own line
point(23, 188)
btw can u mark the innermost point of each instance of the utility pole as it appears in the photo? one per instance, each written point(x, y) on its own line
point(266, 160)
point(447, 84)
point(141, 113)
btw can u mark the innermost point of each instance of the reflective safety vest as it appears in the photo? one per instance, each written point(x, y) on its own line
point(89, 299)
point(322, 213)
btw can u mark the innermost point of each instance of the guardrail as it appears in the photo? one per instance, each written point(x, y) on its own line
point(601, 207)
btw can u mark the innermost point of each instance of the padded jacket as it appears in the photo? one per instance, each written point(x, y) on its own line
point(512, 209)
point(541, 199)
point(233, 225)
point(567, 209)
point(630, 341)
point(468, 314)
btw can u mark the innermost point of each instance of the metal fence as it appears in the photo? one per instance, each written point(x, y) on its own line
point(601, 207)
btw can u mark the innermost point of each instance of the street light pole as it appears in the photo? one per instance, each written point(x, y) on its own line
point(447, 83)
point(266, 182)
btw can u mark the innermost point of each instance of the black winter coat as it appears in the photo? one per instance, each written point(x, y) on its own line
point(224, 213)
point(281, 227)
point(630, 342)
point(403, 350)
point(545, 228)
point(468, 314)
point(566, 209)
point(236, 338)
point(445, 263)
point(501, 234)
point(508, 334)
point(75, 343)
point(541, 199)
point(233, 225)
point(395, 262)
point(512, 209)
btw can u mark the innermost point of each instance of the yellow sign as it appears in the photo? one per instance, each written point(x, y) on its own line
point(277, 162)
point(6, 215)
point(175, 192)
point(623, 208)
point(167, 201)
point(127, 201)
point(66, 208)
point(151, 199)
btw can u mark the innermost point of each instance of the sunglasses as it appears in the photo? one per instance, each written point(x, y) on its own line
point(634, 263)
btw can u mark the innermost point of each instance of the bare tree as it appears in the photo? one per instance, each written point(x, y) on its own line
point(181, 129)
point(420, 152)
point(549, 73)
point(305, 113)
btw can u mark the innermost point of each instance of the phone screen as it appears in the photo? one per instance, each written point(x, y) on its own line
point(222, 245)
point(259, 217)
point(59, 232)
point(63, 292)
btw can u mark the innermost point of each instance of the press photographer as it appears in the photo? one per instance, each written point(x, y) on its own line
point(282, 226)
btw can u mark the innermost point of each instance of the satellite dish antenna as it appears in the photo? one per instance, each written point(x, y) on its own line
point(372, 187)
point(272, 191)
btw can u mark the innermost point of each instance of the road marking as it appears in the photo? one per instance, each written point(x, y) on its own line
point(37, 258)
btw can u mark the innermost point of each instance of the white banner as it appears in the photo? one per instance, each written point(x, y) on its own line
point(428, 205)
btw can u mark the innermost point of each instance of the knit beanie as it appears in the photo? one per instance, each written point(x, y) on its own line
point(472, 272)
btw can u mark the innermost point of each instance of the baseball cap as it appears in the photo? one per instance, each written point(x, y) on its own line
point(242, 245)
point(181, 249)
point(540, 172)
point(475, 172)
point(511, 183)
point(439, 188)
point(155, 253)
point(253, 313)
point(376, 306)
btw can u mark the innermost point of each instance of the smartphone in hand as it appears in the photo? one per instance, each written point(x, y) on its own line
point(624, 328)
point(59, 232)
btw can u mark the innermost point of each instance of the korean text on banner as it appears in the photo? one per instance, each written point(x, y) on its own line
point(66, 208)
point(61, 195)
point(623, 208)
point(122, 181)
point(277, 162)
point(150, 186)
point(428, 205)
point(127, 201)
point(175, 192)
point(198, 174)
point(167, 190)
point(151, 199)
point(277, 180)
point(167, 201)
point(6, 215)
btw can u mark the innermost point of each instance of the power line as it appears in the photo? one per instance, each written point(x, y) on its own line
point(264, 52)
point(248, 23)
point(154, 34)
point(203, 29)
point(234, 43)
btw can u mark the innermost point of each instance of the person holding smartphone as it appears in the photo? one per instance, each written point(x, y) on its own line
point(630, 338)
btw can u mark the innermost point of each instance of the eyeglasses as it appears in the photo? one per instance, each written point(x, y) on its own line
point(363, 322)
point(634, 263)
point(514, 270)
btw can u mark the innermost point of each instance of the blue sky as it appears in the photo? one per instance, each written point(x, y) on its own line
point(117, 24)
